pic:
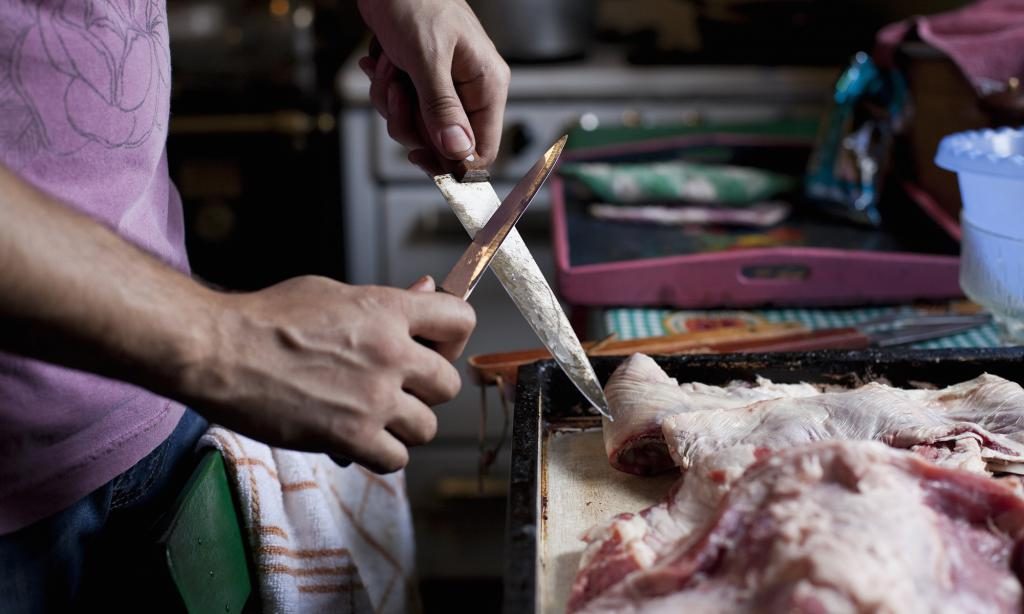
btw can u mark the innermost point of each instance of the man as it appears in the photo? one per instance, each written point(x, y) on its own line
point(100, 324)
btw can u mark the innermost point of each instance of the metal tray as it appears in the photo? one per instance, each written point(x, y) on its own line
point(561, 482)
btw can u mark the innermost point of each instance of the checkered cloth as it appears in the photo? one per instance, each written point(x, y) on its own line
point(638, 323)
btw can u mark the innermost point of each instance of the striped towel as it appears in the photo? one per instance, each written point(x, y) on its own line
point(323, 538)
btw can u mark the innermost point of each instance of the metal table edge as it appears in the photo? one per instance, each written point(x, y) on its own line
point(521, 549)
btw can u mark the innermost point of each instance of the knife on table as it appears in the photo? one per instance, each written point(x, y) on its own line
point(473, 263)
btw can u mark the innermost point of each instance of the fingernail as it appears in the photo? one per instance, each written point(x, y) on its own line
point(455, 140)
point(393, 100)
point(423, 282)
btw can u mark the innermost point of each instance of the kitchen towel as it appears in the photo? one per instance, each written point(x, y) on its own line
point(323, 538)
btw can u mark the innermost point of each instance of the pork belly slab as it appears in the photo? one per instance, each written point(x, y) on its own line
point(641, 395)
point(946, 425)
point(839, 526)
point(660, 424)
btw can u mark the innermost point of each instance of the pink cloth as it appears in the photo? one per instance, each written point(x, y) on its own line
point(985, 39)
point(84, 94)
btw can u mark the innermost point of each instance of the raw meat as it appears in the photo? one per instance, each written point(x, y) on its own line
point(633, 541)
point(715, 435)
point(640, 395)
point(944, 425)
point(694, 417)
point(998, 406)
point(829, 527)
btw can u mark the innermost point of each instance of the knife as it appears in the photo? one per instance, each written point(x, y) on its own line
point(473, 263)
point(468, 270)
point(473, 203)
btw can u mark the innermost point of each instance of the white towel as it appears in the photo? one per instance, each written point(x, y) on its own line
point(324, 538)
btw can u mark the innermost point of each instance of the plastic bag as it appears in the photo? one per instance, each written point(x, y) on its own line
point(851, 157)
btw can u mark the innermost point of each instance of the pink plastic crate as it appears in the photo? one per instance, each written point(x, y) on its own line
point(752, 276)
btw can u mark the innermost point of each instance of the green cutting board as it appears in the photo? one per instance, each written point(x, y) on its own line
point(202, 547)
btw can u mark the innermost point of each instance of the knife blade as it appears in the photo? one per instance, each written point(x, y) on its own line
point(513, 264)
point(473, 263)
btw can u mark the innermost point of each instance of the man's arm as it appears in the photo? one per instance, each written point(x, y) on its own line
point(308, 364)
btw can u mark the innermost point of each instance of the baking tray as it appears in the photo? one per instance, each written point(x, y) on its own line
point(809, 259)
point(561, 483)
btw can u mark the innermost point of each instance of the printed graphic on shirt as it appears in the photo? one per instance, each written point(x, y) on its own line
point(75, 73)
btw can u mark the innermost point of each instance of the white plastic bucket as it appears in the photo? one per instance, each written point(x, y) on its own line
point(990, 169)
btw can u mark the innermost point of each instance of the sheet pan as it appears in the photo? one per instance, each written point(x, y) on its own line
point(561, 482)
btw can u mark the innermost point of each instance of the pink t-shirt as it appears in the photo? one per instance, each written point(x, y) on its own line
point(84, 94)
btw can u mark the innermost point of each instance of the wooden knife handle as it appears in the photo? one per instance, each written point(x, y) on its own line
point(825, 339)
point(464, 171)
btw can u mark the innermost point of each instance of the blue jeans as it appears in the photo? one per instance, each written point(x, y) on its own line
point(92, 556)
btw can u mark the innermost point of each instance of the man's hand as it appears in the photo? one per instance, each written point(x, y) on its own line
point(459, 79)
point(318, 365)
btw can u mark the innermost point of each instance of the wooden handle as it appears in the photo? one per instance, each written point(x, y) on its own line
point(826, 339)
point(465, 172)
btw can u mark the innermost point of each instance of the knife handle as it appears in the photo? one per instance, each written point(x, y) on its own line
point(464, 171)
point(822, 339)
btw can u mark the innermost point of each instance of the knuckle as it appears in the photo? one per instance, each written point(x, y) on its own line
point(380, 397)
point(429, 427)
point(424, 430)
point(346, 429)
point(368, 301)
point(443, 105)
point(388, 298)
point(503, 74)
point(387, 350)
point(395, 463)
point(379, 303)
point(448, 382)
point(454, 382)
point(468, 317)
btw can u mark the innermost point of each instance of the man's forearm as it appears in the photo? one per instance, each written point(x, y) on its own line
point(74, 293)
